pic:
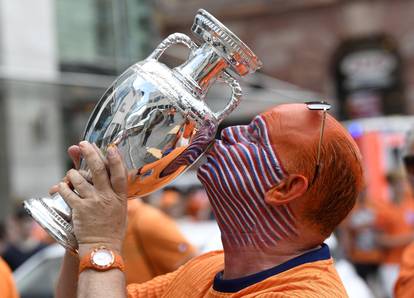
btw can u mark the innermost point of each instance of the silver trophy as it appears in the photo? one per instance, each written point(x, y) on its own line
point(157, 117)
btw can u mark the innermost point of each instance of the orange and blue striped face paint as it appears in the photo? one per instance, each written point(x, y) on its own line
point(240, 169)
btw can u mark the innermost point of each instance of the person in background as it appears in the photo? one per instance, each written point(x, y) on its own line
point(171, 201)
point(3, 238)
point(7, 286)
point(358, 236)
point(404, 287)
point(197, 205)
point(394, 220)
point(153, 244)
point(21, 245)
point(278, 187)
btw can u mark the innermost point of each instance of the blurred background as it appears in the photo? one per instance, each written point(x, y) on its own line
point(57, 57)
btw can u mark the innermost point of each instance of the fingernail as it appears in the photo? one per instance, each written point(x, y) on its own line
point(112, 151)
point(83, 144)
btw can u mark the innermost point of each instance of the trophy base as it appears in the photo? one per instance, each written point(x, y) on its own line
point(53, 223)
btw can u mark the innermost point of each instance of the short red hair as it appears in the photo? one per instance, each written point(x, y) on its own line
point(294, 133)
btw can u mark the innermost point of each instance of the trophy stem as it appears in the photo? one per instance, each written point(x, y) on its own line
point(53, 215)
point(203, 67)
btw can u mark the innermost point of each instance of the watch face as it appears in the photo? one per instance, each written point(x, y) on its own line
point(103, 258)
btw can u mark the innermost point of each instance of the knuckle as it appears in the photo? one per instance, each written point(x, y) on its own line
point(79, 183)
point(86, 175)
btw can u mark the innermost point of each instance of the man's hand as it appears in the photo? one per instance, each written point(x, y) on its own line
point(99, 207)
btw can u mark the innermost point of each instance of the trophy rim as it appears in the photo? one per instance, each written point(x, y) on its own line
point(208, 22)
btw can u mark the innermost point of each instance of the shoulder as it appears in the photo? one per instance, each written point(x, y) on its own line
point(4, 268)
point(212, 257)
point(311, 278)
point(207, 264)
point(7, 286)
point(147, 213)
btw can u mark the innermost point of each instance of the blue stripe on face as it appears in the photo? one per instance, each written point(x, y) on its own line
point(275, 163)
point(214, 173)
point(244, 166)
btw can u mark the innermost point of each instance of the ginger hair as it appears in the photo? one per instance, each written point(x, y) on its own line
point(340, 179)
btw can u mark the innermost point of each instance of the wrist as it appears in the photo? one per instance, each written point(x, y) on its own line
point(101, 258)
point(86, 248)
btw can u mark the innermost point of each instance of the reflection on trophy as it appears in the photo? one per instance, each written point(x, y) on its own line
point(157, 117)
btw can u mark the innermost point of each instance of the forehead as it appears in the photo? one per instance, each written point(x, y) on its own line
point(292, 123)
point(286, 116)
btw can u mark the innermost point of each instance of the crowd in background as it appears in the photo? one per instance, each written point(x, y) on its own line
point(375, 234)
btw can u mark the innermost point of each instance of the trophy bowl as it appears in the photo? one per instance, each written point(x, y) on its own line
point(157, 117)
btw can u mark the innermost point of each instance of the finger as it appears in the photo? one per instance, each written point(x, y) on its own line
point(96, 165)
point(117, 171)
point(54, 188)
point(75, 155)
point(86, 174)
point(100, 153)
point(83, 187)
point(71, 198)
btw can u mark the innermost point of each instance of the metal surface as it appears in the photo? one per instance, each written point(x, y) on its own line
point(157, 118)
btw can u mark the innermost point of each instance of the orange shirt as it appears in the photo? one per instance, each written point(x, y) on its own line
point(404, 288)
point(153, 244)
point(360, 231)
point(196, 278)
point(7, 287)
point(395, 220)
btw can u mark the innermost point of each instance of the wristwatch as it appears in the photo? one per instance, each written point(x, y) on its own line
point(101, 259)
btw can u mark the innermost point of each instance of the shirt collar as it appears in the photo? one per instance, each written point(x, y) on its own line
point(237, 284)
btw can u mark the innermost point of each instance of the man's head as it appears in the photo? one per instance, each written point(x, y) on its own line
point(258, 176)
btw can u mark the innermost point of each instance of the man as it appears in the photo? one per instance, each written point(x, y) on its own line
point(278, 189)
point(358, 237)
point(394, 222)
point(22, 244)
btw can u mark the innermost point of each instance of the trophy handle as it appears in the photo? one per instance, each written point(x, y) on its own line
point(173, 39)
point(236, 93)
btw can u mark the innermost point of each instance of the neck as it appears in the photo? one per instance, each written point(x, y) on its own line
point(243, 262)
point(240, 261)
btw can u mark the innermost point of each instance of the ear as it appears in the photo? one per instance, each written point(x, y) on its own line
point(290, 188)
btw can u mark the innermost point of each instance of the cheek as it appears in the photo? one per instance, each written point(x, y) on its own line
point(252, 162)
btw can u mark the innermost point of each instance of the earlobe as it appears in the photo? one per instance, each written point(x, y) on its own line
point(289, 189)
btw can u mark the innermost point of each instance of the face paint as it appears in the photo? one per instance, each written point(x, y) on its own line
point(239, 170)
